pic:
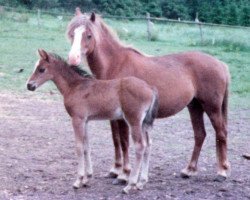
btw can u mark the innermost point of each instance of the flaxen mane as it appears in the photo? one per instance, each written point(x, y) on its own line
point(99, 29)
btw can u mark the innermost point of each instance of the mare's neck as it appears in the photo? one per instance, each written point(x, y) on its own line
point(103, 56)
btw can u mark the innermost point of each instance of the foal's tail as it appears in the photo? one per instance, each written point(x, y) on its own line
point(152, 111)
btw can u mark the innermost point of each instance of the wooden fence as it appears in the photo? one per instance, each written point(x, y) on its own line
point(148, 19)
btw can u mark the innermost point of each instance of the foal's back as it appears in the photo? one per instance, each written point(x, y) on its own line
point(109, 99)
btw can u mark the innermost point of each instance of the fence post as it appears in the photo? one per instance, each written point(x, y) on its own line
point(148, 26)
point(39, 18)
point(199, 24)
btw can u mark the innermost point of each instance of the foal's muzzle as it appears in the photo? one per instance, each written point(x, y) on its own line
point(31, 87)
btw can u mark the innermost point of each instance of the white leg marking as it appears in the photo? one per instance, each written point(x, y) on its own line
point(145, 162)
point(80, 135)
point(139, 151)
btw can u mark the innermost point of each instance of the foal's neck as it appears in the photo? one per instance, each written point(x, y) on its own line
point(66, 78)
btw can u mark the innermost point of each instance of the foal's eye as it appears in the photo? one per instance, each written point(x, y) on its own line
point(41, 70)
point(89, 37)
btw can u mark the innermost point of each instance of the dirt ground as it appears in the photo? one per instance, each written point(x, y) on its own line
point(38, 160)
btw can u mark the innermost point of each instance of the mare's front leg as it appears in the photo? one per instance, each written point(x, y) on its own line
point(117, 166)
point(122, 178)
point(81, 146)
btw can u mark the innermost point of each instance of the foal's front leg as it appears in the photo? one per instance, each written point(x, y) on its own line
point(81, 140)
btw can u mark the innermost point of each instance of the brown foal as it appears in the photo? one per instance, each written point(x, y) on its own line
point(193, 79)
point(86, 98)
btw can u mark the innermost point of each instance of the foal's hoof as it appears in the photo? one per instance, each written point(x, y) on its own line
point(77, 185)
point(119, 182)
point(112, 175)
point(220, 178)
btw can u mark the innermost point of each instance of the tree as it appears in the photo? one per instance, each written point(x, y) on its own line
point(245, 16)
point(232, 14)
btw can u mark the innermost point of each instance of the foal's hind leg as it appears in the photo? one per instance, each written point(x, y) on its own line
point(220, 127)
point(196, 113)
point(140, 144)
point(124, 139)
point(117, 166)
point(145, 162)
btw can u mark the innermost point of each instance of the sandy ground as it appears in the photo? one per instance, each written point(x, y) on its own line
point(38, 160)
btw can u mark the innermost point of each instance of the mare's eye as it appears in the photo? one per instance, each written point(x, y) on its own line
point(89, 37)
point(41, 70)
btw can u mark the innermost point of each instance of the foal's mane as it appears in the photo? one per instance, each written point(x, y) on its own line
point(70, 69)
point(99, 29)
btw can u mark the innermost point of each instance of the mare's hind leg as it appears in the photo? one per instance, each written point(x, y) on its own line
point(122, 178)
point(117, 166)
point(196, 113)
point(220, 127)
point(145, 162)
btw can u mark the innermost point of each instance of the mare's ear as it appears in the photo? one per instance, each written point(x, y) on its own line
point(43, 54)
point(92, 17)
point(78, 11)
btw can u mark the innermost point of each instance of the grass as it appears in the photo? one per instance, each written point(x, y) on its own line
point(20, 37)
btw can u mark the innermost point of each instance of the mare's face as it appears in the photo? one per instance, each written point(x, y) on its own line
point(83, 44)
point(42, 72)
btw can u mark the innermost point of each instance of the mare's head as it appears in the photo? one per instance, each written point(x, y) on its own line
point(82, 34)
point(43, 70)
point(85, 32)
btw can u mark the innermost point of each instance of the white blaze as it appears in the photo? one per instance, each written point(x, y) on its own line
point(75, 52)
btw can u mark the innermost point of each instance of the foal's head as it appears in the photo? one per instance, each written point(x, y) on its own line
point(43, 71)
point(50, 66)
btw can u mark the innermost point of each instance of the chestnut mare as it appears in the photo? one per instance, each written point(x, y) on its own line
point(86, 98)
point(193, 79)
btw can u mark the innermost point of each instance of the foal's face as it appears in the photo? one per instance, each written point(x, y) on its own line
point(83, 43)
point(42, 72)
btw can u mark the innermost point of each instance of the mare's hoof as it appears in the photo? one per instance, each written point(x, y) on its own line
point(119, 182)
point(184, 175)
point(111, 175)
point(89, 175)
point(220, 178)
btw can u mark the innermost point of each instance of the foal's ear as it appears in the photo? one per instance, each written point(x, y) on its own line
point(43, 54)
point(92, 17)
point(78, 11)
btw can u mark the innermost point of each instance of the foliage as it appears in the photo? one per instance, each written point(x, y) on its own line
point(233, 12)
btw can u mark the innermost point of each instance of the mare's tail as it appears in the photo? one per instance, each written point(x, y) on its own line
point(152, 111)
point(225, 99)
point(225, 105)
